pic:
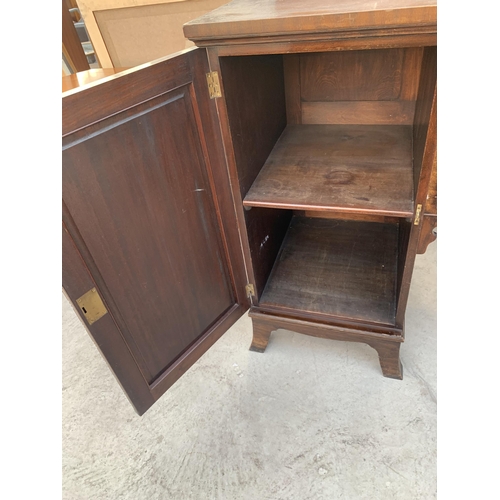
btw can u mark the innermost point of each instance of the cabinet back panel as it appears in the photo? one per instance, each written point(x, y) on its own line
point(369, 87)
point(254, 91)
point(135, 186)
point(358, 113)
point(359, 75)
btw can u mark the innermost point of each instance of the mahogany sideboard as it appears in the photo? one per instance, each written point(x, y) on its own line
point(285, 166)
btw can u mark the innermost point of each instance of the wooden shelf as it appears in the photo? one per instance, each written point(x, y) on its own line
point(338, 168)
point(338, 268)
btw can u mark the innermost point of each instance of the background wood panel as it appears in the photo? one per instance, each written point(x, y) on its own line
point(133, 32)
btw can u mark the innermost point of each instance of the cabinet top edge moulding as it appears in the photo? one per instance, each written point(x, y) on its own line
point(244, 21)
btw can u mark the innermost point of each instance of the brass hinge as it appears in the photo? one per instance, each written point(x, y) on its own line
point(92, 306)
point(249, 289)
point(213, 84)
point(417, 215)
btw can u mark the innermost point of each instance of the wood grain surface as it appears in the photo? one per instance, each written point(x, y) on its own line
point(360, 75)
point(355, 168)
point(255, 101)
point(358, 113)
point(336, 268)
point(258, 18)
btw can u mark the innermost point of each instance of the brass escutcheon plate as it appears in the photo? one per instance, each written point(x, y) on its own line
point(92, 306)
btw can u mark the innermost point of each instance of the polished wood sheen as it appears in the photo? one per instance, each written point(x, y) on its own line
point(337, 268)
point(254, 19)
point(355, 168)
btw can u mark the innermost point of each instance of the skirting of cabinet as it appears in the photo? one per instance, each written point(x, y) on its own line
point(387, 346)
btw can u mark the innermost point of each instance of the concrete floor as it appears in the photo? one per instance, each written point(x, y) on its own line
point(310, 419)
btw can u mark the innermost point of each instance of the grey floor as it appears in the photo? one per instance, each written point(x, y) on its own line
point(308, 419)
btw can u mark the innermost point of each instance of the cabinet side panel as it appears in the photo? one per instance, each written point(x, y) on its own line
point(424, 154)
point(254, 92)
point(403, 241)
point(255, 99)
point(266, 230)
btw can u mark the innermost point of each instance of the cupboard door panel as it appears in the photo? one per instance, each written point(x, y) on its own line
point(140, 205)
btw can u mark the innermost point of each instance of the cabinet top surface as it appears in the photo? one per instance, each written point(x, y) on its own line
point(247, 18)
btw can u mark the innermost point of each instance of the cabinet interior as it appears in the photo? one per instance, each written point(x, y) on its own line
point(328, 149)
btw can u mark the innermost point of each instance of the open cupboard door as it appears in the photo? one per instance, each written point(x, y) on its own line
point(152, 260)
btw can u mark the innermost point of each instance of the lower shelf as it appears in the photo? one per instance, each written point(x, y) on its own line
point(344, 269)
